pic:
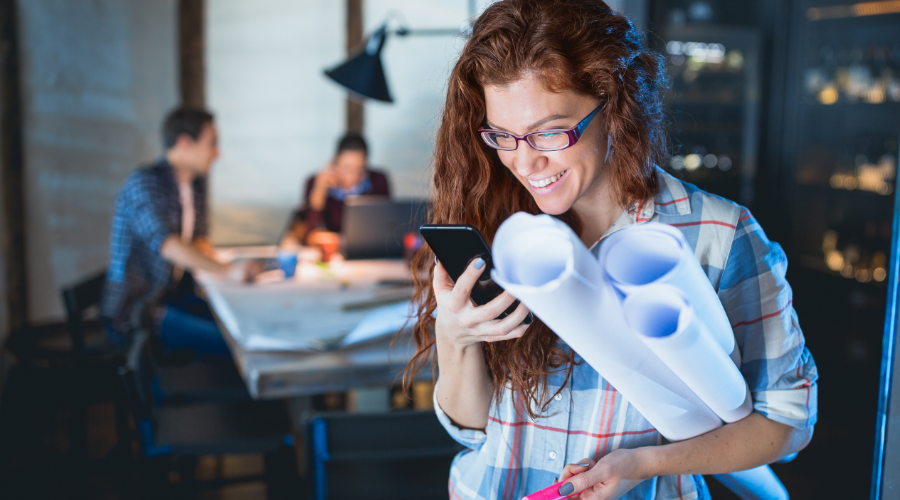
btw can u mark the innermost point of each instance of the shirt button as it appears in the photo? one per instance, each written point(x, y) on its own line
point(552, 455)
point(558, 397)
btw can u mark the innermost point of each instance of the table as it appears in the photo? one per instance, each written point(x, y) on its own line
point(333, 299)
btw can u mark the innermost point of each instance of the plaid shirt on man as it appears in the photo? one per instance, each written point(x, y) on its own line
point(516, 456)
point(148, 210)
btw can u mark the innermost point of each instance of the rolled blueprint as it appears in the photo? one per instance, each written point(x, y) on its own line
point(540, 261)
point(655, 253)
point(666, 324)
point(754, 484)
point(543, 263)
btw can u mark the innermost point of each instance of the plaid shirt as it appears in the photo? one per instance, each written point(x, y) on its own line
point(148, 210)
point(516, 456)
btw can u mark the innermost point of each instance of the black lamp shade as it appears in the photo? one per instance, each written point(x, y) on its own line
point(363, 73)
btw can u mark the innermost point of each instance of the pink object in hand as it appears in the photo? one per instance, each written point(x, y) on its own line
point(549, 493)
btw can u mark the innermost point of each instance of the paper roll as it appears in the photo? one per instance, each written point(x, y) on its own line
point(665, 323)
point(655, 253)
point(759, 483)
point(543, 263)
point(540, 261)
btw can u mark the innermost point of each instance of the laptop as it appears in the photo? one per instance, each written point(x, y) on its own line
point(373, 227)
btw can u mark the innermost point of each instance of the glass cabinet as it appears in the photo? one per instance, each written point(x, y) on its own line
point(841, 132)
point(792, 108)
point(714, 107)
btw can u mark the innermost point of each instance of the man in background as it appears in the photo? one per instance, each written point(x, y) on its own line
point(159, 234)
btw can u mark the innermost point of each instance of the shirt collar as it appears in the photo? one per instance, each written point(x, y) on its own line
point(341, 193)
point(166, 172)
point(672, 199)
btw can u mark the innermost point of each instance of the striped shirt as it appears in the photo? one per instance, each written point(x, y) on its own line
point(516, 455)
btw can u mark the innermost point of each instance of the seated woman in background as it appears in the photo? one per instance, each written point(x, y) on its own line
point(346, 175)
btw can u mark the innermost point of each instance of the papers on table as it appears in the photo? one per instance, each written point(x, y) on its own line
point(309, 312)
point(645, 316)
point(381, 321)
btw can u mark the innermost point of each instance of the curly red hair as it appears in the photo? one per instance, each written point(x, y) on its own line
point(581, 46)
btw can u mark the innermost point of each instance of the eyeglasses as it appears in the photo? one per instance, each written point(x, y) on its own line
point(542, 140)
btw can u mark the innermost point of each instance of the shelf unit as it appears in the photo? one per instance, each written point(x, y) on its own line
point(714, 104)
point(838, 175)
point(815, 109)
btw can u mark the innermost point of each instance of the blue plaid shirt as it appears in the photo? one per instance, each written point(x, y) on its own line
point(148, 210)
point(516, 456)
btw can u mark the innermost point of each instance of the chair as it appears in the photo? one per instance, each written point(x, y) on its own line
point(95, 377)
point(396, 455)
point(209, 428)
point(193, 382)
point(53, 381)
point(77, 299)
point(179, 378)
point(176, 381)
point(183, 377)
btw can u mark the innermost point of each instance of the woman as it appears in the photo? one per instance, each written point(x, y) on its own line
point(554, 106)
point(345, 176)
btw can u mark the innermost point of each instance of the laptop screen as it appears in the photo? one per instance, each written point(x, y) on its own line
point(373, 227)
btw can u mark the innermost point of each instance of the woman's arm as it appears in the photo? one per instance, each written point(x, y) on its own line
point(319, 193)
point(741, 445)
point(308, 218)
point(464, 390)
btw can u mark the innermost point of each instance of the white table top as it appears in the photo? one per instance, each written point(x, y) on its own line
point(276, 328)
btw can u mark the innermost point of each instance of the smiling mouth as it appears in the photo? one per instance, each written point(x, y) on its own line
point(547, 181)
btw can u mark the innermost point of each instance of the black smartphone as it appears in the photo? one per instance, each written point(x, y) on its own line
point(456, 245)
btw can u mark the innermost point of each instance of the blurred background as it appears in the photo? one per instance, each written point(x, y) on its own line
point(789, 107)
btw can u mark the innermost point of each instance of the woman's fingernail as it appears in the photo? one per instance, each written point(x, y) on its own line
point(479, 263)
point(435, 260)
point(583, 464)
point(566, 489)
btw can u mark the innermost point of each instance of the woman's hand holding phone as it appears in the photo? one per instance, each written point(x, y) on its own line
point(463, 323)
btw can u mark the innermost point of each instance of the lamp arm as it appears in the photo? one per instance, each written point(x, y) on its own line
point(402, 28)
point(432, 31)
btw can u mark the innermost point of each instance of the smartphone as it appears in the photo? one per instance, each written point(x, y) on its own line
point(457, 245)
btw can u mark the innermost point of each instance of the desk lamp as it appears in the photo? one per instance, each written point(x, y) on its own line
point(363, 74)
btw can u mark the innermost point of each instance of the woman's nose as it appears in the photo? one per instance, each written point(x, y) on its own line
point(528, 160)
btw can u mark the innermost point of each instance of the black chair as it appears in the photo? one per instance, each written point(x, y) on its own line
point(184, 377)
point(177, 380)
point(77, 299)
point(95, 367)
point(209, 428)
point(180, 378)
point(194, 382)
point(50, 381)
point(396, 455)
